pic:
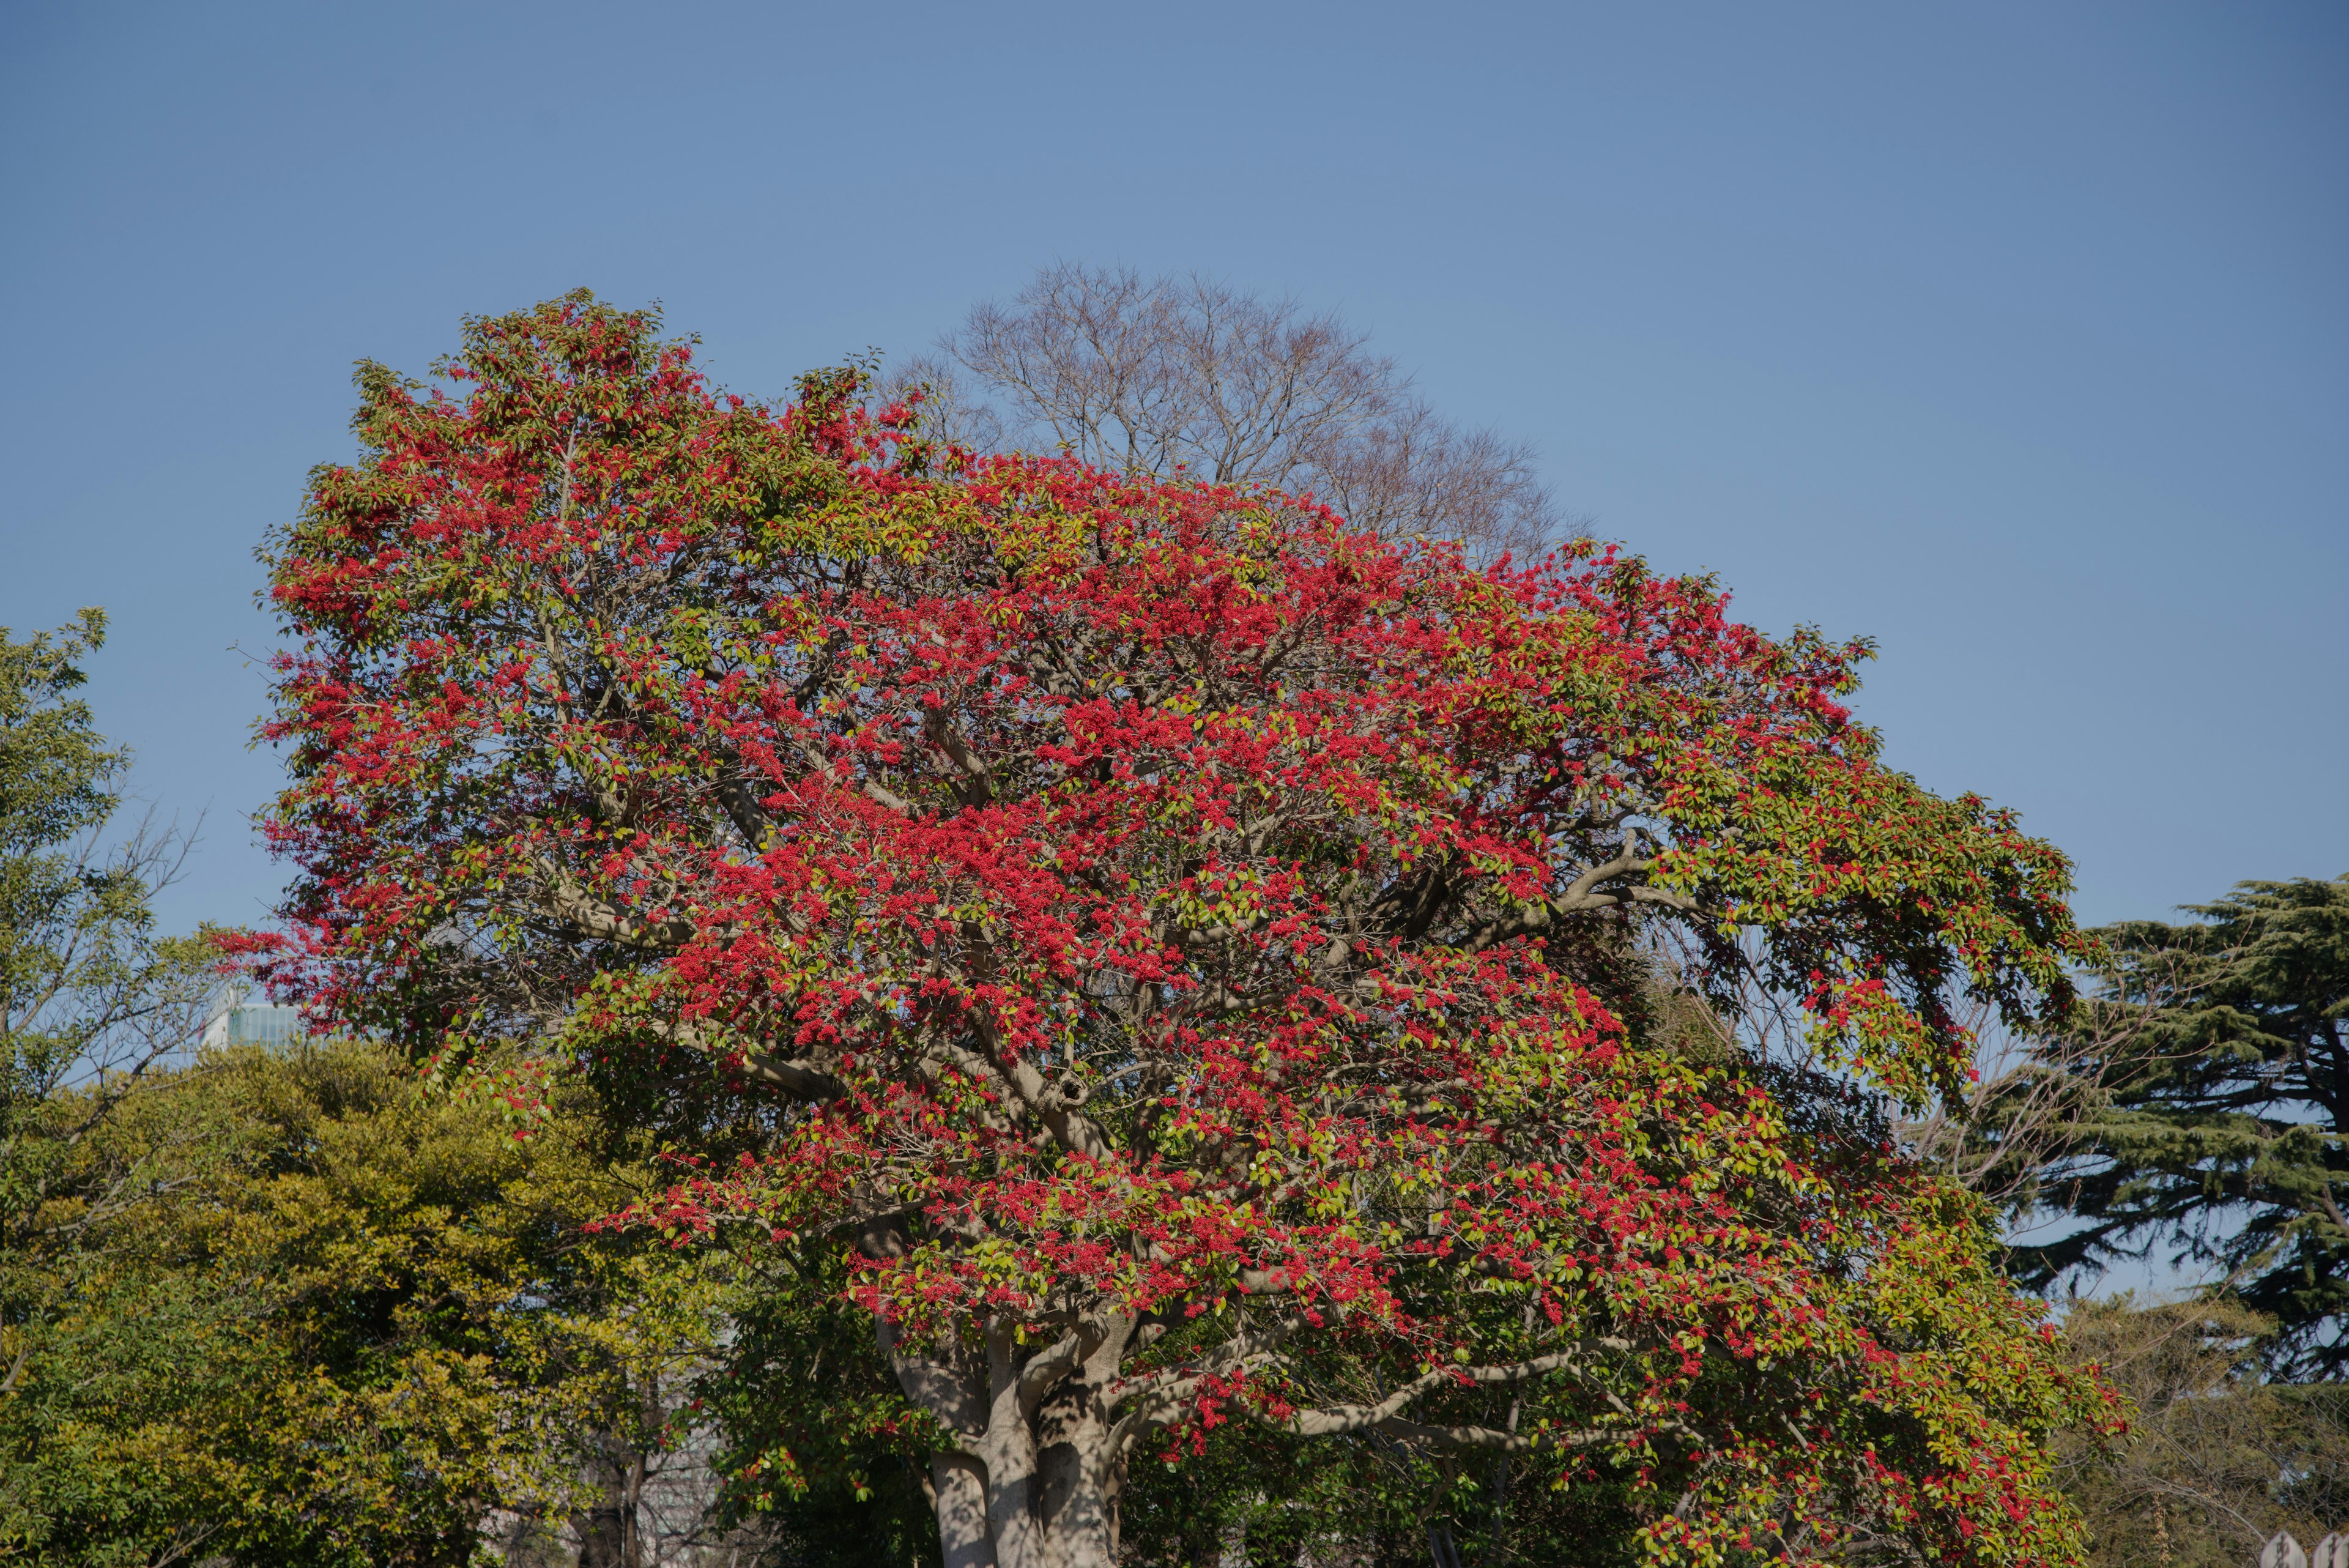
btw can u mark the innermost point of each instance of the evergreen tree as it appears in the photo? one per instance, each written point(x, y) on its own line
point(2220, 1050)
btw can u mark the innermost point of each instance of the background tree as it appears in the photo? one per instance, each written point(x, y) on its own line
point(296, 1306)
point(91, 1002)
point(2218, 1052)
point(89, 998)
point(819, 1443)
point(1186, 959)
point(360, 1322)
point(1152, 374)
point(2018, 1118)
point(2219, 1457)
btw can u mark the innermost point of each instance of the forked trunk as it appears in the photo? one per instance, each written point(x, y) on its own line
point(1036, 1482)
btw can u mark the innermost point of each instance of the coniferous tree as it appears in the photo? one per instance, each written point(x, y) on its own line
point(2220, 1062)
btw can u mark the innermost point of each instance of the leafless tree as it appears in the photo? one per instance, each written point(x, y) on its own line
point(2018, 1118)
point(1177, 371)
point(2217, 1458)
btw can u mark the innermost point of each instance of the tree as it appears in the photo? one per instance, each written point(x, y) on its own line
point(1189, 960)
point(2218, 1053)
point(1155, 375)
point(362, 1323)
point(2020, 1114)
point(295, 1306)
point(2221, 1457)
point(89, 998)
point(817, 1440)
point(92, 1002)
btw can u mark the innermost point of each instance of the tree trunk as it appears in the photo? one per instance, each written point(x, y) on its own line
point(1036, 1481)
point(960, 1487)
point(607, 1532)
point(1079, 1500)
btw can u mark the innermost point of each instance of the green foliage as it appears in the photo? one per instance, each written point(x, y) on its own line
point(1371, 1501)
point(818, 1440)
point(84, 988)
point(297, 1306)
point(90, 1002)
point(360, 1314)
point(2219, 1053)
point(56, 774)
point(87, 994)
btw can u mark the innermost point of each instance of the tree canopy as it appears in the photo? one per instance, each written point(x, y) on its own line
point(1189, 962)
point(352, 1321)
point(2217, 1050)
point(300, 1307)
point(91, 1002)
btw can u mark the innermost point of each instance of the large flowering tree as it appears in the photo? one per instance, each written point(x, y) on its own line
point(1195, 961)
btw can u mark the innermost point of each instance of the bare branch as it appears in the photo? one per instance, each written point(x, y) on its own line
point(1336, 1418)
point(565, 901)
point(1178, 371)
point(802, 1079)
point(1493, 1439)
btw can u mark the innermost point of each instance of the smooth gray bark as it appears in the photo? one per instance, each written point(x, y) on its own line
point(961, 1494)
point(1036, 1481)
point(1008, 1449)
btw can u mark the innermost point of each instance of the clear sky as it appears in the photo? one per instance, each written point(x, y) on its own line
point(2014, 336)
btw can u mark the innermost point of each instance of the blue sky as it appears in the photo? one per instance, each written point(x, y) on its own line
point(2015, 337)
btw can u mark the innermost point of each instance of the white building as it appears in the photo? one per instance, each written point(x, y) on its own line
point(236, 1020)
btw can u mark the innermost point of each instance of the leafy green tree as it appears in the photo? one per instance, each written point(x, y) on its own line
point(363, 1322)
point(437, 1324)
point(285, 1306)
point(818, 1443)
point(89, 998)
point(1369, 1500)
point(2217, 1051)
point(92, 1002)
